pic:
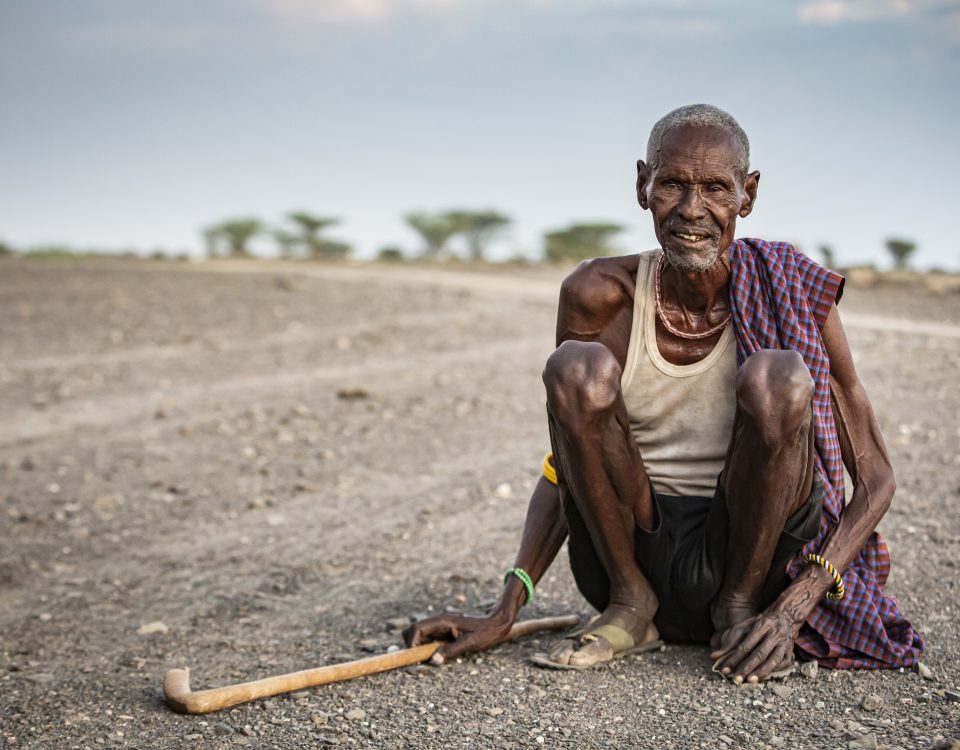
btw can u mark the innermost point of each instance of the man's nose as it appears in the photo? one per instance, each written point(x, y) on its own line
point(691, 206)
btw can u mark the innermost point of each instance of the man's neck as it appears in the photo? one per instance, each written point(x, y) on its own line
point(698, 291)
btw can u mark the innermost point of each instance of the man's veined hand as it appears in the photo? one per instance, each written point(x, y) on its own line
point(466, 633)
point(756, 647)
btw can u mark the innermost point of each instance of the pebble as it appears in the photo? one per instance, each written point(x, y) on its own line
point(356, 714)
point(924, 671)
point(494, 711)
point(867, 741)
point(809, 669)
point(369, 644)
point(397, 623)
point(871, 702)
point(951, 695)
point(151, 628)
point(781, 691)
point(504, 491)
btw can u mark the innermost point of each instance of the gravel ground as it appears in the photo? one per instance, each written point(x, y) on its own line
point(255, 470)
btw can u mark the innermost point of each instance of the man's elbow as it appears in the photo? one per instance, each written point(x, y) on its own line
point(885, 486)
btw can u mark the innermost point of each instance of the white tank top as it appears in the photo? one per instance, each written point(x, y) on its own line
point(681, 416)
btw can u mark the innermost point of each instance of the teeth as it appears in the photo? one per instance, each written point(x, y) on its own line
point(691, 237)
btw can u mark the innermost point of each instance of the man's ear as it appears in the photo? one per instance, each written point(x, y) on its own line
point(750, 184)
point(643, 177)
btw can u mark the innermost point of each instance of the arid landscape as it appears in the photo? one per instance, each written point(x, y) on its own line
point(253, 467)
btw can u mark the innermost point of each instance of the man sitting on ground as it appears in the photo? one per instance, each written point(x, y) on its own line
point(702, 403)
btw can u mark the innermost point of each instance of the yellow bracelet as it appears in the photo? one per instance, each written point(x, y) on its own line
point(838, 591)
point(548, 471)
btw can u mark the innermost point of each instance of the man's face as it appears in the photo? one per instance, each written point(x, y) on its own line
point(695, 191)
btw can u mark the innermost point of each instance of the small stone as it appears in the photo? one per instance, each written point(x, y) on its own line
point(951, 695)
point(924, 671)
point(496, 711)
point(871, 702)
point(837, 725)
point(504, 491)
point(809, 669)
point(781, 691)
point(392, 648)
point(356, 714)
point(866, 742)
point(320, 719)
point(151, 628)
point(369, 644)
point(726, 740)
point(397, 623)
point(352, 394)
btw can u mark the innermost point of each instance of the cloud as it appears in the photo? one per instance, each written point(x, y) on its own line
point(332, 12)
point(832, 12)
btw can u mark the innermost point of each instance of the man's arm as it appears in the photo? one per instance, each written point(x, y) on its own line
point(747, 647)
point(590, 309)
point(544, 532)
point(865, 456)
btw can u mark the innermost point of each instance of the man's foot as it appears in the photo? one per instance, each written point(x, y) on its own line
point(593, 647)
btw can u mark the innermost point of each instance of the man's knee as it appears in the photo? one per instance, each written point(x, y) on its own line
point(774, 392)
point(582, 380)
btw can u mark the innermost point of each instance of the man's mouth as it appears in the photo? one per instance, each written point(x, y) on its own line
point(691, 236)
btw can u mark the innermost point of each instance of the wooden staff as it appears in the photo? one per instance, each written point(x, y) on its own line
point(176, 682)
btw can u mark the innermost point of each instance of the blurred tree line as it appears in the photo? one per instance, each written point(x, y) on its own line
point(303, 235)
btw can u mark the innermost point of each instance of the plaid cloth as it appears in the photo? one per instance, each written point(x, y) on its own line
point(780, 300)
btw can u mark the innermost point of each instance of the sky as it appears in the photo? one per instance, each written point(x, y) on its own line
point(129, 124)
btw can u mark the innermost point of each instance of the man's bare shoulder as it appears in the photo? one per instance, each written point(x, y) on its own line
point(596, 300)
point(600, 285)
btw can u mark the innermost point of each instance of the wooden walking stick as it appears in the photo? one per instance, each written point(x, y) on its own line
point(176, 682)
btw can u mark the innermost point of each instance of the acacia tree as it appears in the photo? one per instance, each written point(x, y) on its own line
point(829, 259)
point(435, 230)
point(233, 235)
point(478, 228)
point(309, 229)
point(901, 250)
point(579, 241)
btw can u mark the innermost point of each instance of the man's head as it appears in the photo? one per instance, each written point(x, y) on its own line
point(695, 183)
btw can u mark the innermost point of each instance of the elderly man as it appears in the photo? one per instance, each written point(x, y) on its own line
point(702, 403)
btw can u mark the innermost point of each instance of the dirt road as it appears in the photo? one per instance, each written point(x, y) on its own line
point(264, 464)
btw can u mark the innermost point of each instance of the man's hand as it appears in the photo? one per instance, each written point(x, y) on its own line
point(754, 648)
point(466, 633)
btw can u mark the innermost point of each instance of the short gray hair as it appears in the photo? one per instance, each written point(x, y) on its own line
point(703, 115)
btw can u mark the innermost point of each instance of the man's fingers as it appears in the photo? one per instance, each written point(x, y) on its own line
point(771, 663)
point(434, 629)
point(755, 658)
point(733, 658)
point(730, 638)
point(469, 642)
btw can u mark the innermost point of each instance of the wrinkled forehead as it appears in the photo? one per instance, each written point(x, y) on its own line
point(707, 146)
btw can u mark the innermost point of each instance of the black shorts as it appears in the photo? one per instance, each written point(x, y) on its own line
point(685, 556)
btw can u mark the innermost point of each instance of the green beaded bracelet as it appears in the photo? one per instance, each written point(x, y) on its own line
point(525, 579)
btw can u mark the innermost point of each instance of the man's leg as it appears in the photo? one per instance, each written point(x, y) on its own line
point(767, 477)
point(598, 463)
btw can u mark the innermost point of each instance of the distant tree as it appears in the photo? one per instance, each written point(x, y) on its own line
point(234, 236)
point(309, 235)
point(826, 252)
point(5, 249)
point(390, 253)
point(435, 230)
point(479, 228)
point(901, 250)
point(287, 242)
point(579, 241)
